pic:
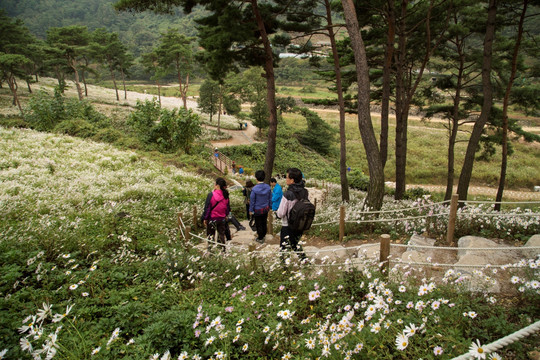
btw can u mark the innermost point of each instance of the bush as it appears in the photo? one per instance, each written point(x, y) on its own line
point(13, 122)
point(358, 180)
point(319, 135)
point(75, 127)
point(309, 89)
point(44, 113)
point(108, 135)
point(410, 194)
point(167, 130)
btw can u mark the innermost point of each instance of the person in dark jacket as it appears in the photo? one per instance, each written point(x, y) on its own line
point(216, 210)
point(260, 203)
point(290, 239)
point(247, 194)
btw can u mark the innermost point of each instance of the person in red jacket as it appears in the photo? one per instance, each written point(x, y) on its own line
point(216, 210)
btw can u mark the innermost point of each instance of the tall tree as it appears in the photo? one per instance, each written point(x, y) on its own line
point(71, 42)
point(239, 31)
point(341, 104)
point(376, 175)
point(251, 87)
point(11, 67)
point(150, 61)
point(108, 50)
point(487, 57)
point(458, 68)
point(506, 100)
point(124, 63)
point(15, 38)
point(175, 50)
point(417, 37)
point(209, 97)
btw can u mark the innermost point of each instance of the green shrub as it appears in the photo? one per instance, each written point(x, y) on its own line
point(13, 122)
point(108, 135)
point(410, 194)
point(319, 135)
point(358, 180)
point(308, 89)
point(75, 127)
point(44, 111)
point(167, 130)
point(324, 102)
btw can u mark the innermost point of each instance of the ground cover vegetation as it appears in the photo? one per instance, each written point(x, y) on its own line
point(92, 267)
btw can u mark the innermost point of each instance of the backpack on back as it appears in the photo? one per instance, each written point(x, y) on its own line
point(301, 215)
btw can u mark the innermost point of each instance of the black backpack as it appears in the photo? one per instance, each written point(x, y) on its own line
point(301, 215)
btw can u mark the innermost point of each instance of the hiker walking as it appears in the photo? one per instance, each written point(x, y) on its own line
point(292, 232)
point(277, 194)
point(216, 210)
point(247, 194)
point(260, 202)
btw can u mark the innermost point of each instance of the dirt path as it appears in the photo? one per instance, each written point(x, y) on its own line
point(238, 137)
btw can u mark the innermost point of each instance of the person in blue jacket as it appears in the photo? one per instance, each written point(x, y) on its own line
point(260, 203)
point(277, 194)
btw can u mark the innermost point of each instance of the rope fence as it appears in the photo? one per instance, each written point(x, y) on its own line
point(505, 341)
point(384, 251)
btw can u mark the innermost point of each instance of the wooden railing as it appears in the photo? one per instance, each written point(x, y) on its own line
point(222, 162)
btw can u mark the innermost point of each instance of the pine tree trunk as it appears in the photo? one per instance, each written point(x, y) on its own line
point(270, 94)
point(124, 83)
point(504, 161)
point(77, 82)
point(385, 101)
point(84, 83)
point(466, 170)
point(454, 129)
point(114, 81)
point(401, 108)
point(219, 115)
point(12, 83)
point(159, 92)
point(376, 175)
point(339, 87)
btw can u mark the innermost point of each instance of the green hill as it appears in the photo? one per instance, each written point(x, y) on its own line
point(140, 32)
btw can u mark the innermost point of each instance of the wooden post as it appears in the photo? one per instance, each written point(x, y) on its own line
point(179, 219)
point(315, 204)
point(452, 219)
point(341, 222)
point(253, 261)
point(385, 253)
point(195, 217)
point(187, 233)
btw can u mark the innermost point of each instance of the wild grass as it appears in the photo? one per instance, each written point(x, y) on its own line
point(427, 154)
point(93, 267)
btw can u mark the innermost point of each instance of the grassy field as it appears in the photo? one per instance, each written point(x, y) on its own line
point(427, 153)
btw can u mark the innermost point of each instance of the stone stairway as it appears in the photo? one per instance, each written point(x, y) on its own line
point(462, 258)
